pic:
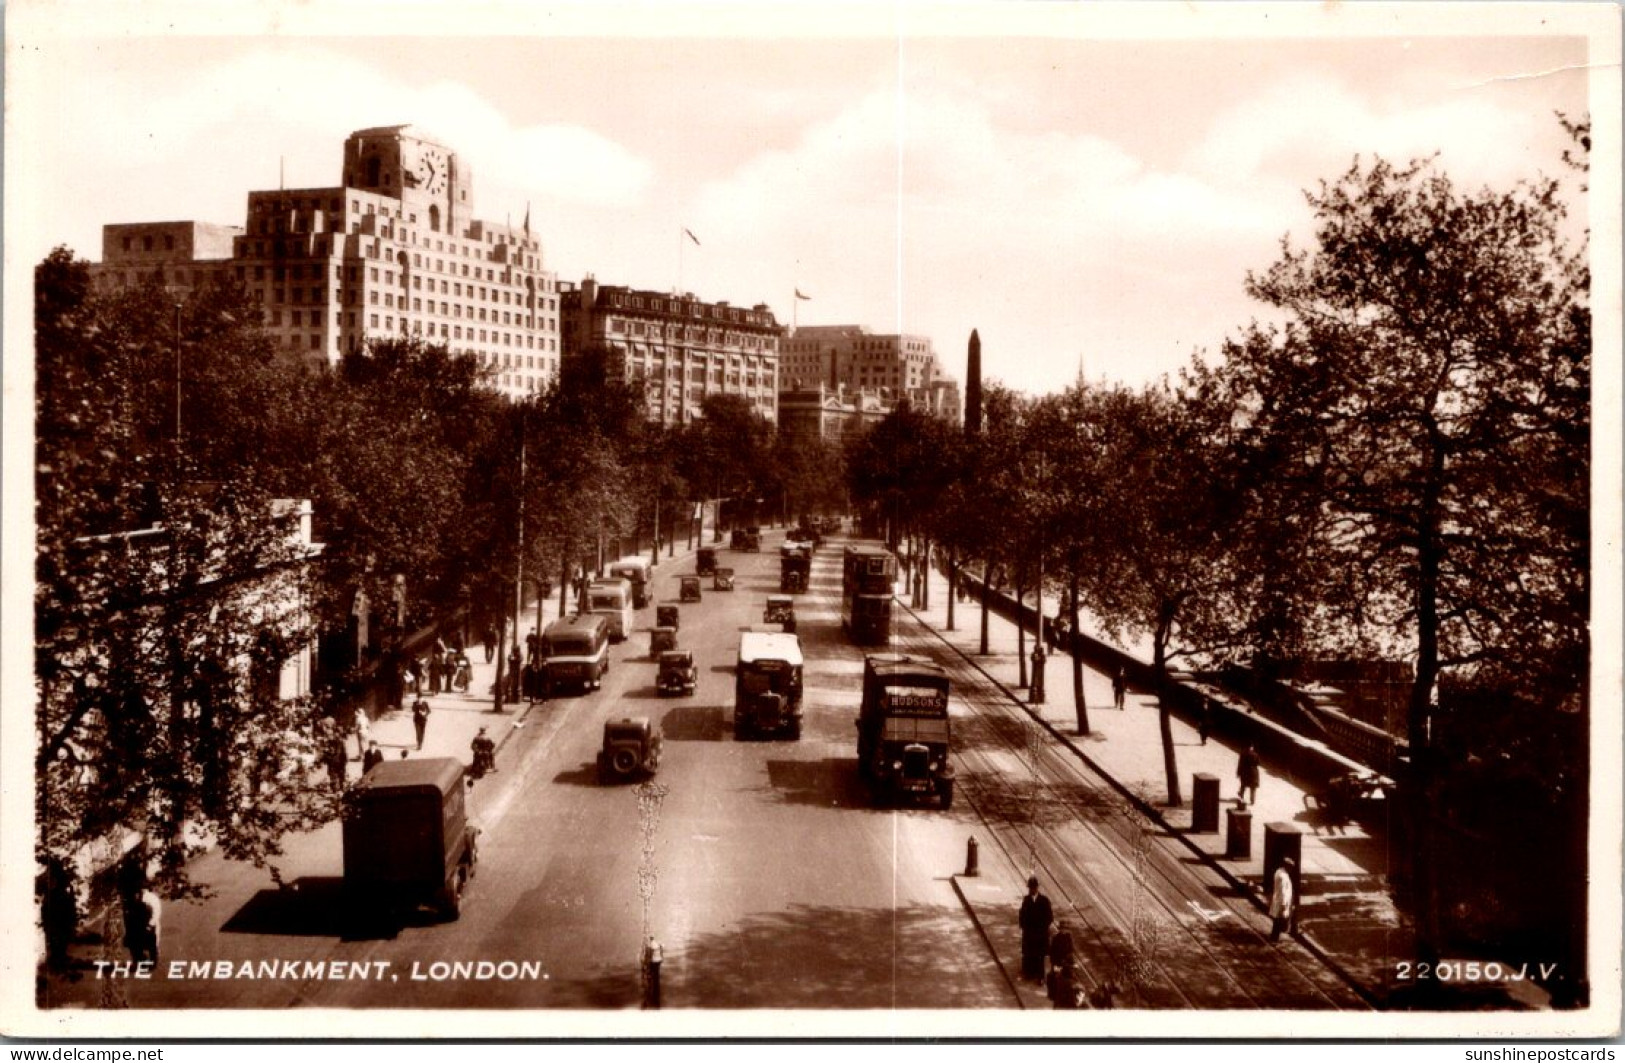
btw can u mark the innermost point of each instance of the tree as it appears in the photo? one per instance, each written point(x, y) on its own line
point(168, 588)
point(1428, 398)
point(1169, 522)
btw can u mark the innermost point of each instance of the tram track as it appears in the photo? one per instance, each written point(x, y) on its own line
point(1143, 920)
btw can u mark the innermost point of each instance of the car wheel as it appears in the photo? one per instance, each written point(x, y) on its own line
point(624, 760)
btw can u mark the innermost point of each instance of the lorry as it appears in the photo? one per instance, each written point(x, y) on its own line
point(904, 736)
point(408, 843)
point(767, 685)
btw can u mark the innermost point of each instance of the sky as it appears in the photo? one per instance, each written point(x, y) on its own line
point(1086, 186)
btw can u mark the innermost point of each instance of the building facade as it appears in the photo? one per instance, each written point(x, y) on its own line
point(896, 367)
point(682, 349)
point(394, 250)
point(828, 414)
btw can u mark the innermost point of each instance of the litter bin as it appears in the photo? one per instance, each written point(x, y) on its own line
point(1239, 835)
point(1204, 803)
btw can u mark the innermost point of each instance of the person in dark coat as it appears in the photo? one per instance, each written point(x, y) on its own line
point(1035, 918)
point(371, 758)
point(1247, 774)
point(515, 677)
point(437, 668)
point(489, 638)
point(1119, 688)
point(420, 718)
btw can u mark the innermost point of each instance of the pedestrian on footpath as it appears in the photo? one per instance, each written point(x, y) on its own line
point(420, 718)
point(371, 758)
point(514, 678)
point(489, 638)
point(1283, 900)
point(437, 667)
point(1204, 715)
point(363, 732)
point(1119, 688)
point(143, 922)
point(1247, 774)
point(1035, 918)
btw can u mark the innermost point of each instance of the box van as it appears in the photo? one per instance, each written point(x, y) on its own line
point(575, 652)
point(612, 600)
point(767, 684)
point(636, 571)
point(407, 839)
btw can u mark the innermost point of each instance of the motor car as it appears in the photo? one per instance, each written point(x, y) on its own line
point(677, 675)
point(705, 560)
point(690, 591)
point(662, 639)
point(780, 609)
point(724, 580)
point(631, 748)
point(668, 616)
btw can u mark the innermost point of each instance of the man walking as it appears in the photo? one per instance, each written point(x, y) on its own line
point(420, 718)
point(1283, 900)
point(1119, 689)
point(1035, 919)
point(371, 758)
point(1247, 774)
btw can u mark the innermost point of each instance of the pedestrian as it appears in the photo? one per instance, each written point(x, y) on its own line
point(1283, 900)
point(514, 677)
point(1061, 634)
point(363, 732)
point(437, 667)
point(489, 638)
point(1247, 773)
point(420, 718)
point(371, 758)
point(59, 912)
point(1204, 715)
point(143, 919)
point(1119, 688)
point(1035, 919)
point(338, 760)
point(416, 668)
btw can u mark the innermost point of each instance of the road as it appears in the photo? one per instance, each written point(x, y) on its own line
point(776, 885)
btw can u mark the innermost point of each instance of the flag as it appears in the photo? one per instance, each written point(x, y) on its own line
point(527, 219)
point(800, 296)
point(691, 236)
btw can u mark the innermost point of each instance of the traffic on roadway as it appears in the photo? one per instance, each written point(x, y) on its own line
point(777, 795)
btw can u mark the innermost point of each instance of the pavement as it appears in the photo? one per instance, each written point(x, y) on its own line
point(1347, 915)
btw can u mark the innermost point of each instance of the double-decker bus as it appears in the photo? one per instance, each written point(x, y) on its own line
point(868, 576)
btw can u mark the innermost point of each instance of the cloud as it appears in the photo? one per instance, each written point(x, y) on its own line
point(1315, 124)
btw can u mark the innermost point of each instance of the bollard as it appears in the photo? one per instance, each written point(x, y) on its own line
point(1239, 840)
point(972, 858)
point(1204, 803)
point(652, 957)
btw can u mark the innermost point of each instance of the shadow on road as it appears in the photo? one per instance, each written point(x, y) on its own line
point(585, 775)
point(313, 906)
point(693, 723)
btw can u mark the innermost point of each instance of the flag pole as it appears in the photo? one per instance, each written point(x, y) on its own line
point(680, 235)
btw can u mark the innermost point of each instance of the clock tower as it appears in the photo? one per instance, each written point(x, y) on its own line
point(403, 162)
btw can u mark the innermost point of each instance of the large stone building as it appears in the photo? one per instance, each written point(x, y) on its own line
point(681, 349)
point(828, 413)
point(393, 250)
point(895, 366)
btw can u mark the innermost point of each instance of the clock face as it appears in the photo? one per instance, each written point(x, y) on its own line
point(431, 170)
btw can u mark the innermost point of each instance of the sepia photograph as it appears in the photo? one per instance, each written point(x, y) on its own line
point(785, 521)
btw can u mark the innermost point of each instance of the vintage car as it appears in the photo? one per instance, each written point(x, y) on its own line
point(662, 639)
point(631, 747)
point(745, 539)
point(677, 673)
point(690, 589)
point(705, 560)
point(781, 609)
point(724, 580)
point(667, 616)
